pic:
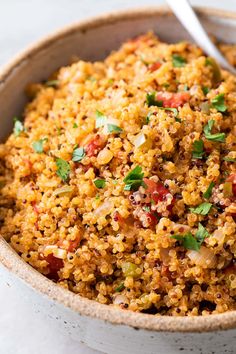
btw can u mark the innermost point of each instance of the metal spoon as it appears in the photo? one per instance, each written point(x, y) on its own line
point(186, 15)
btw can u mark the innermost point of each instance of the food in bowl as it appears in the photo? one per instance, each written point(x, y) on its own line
point(120, 182)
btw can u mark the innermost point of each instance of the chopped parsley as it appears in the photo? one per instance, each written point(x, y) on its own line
point(189, 241)
point(229, 159)
point(38, 145)
point(178, 61)
point(52, 83)
point(75, 125)
point(202, 209)
point(99, 183)
point(208, 192)
point(174, 110)
point(198, 149)
point(218, 102)
point(151, 100)
point(134, 179)
point(147, 120)
point(18, 126)
point(78, 154)
point(220, 137)
point(120, 287)
point(63, 169)
point(147, 208)
point(112, 128)
point(205, 90)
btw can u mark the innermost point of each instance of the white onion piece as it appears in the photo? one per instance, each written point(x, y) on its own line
point(140, 140)
point(60, 253)
point(205, 258)
point(120, 299)
point(104, 209)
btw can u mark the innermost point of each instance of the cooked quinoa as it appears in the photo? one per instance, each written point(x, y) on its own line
point(119, 181)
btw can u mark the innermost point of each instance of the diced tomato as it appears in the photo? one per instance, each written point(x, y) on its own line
point(232, 178)
point(73, 244)
point(117, 217)
point(94, 146)
point(155, 66)
point(54, 265)
point(172, 100)
point(152, 219)
point(155, 191)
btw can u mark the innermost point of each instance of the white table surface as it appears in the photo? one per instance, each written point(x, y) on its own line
point(21, 23)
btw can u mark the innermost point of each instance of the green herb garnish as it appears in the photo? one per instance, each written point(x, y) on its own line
point(75, 125)
point(151, 100)
point(146, 208)
point(178, 61)
point(120, 288)
point(147, 119)
point(189, 241)
point(218, 102)
point(229, 159)
point(18, 127)
point(78, 154)
point(112, 128)
point(202, 209)
point(205, 90)
point(208, 192)
point(63, 169)
point(38, 145)
point(100, 183)
point(174, 110)
point(134, 179)
point(198, 149)
point(220, 137)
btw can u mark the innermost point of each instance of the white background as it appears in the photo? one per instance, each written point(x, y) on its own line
point(21, 23)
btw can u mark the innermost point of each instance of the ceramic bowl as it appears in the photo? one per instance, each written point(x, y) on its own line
point(103, 327)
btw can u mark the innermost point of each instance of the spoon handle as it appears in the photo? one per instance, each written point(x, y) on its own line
point(186, 15)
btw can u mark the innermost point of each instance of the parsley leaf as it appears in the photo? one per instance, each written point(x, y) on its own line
point(205, 90)
point(220, 137)
point(201, 234)
point(229, 159)
point(120, 287)
point(151, 100)
point(147, 120)
point(78, 154)
point(208, 192)
point(112, 128)
point(174, 110)
point(134, 179)
point(198, 149)
point(18, 126)
point(101, 119)
point(38, 145)
point(75, 125)
point(202, 209)
point(100, 183)
point(218, 102)
point(188, 241)
point(178, 61)
point(63, 169)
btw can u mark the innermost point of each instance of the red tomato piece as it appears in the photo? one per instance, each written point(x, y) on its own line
point(94, 146)
point(73, 244)
point(171, 99)
point(152, 219)
point(54, 265)
point(155, 191)
point(154, 66)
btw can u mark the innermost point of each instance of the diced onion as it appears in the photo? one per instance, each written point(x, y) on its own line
point(139, 140)
point(63, 190)
point(60, 253)
point(205, 258)
point(104, 209)
point(205, 107)
point(120, 299)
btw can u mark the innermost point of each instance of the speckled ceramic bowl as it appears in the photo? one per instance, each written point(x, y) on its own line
point(100, 326)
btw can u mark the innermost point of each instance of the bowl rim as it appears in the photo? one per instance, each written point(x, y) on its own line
point(85, 307)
